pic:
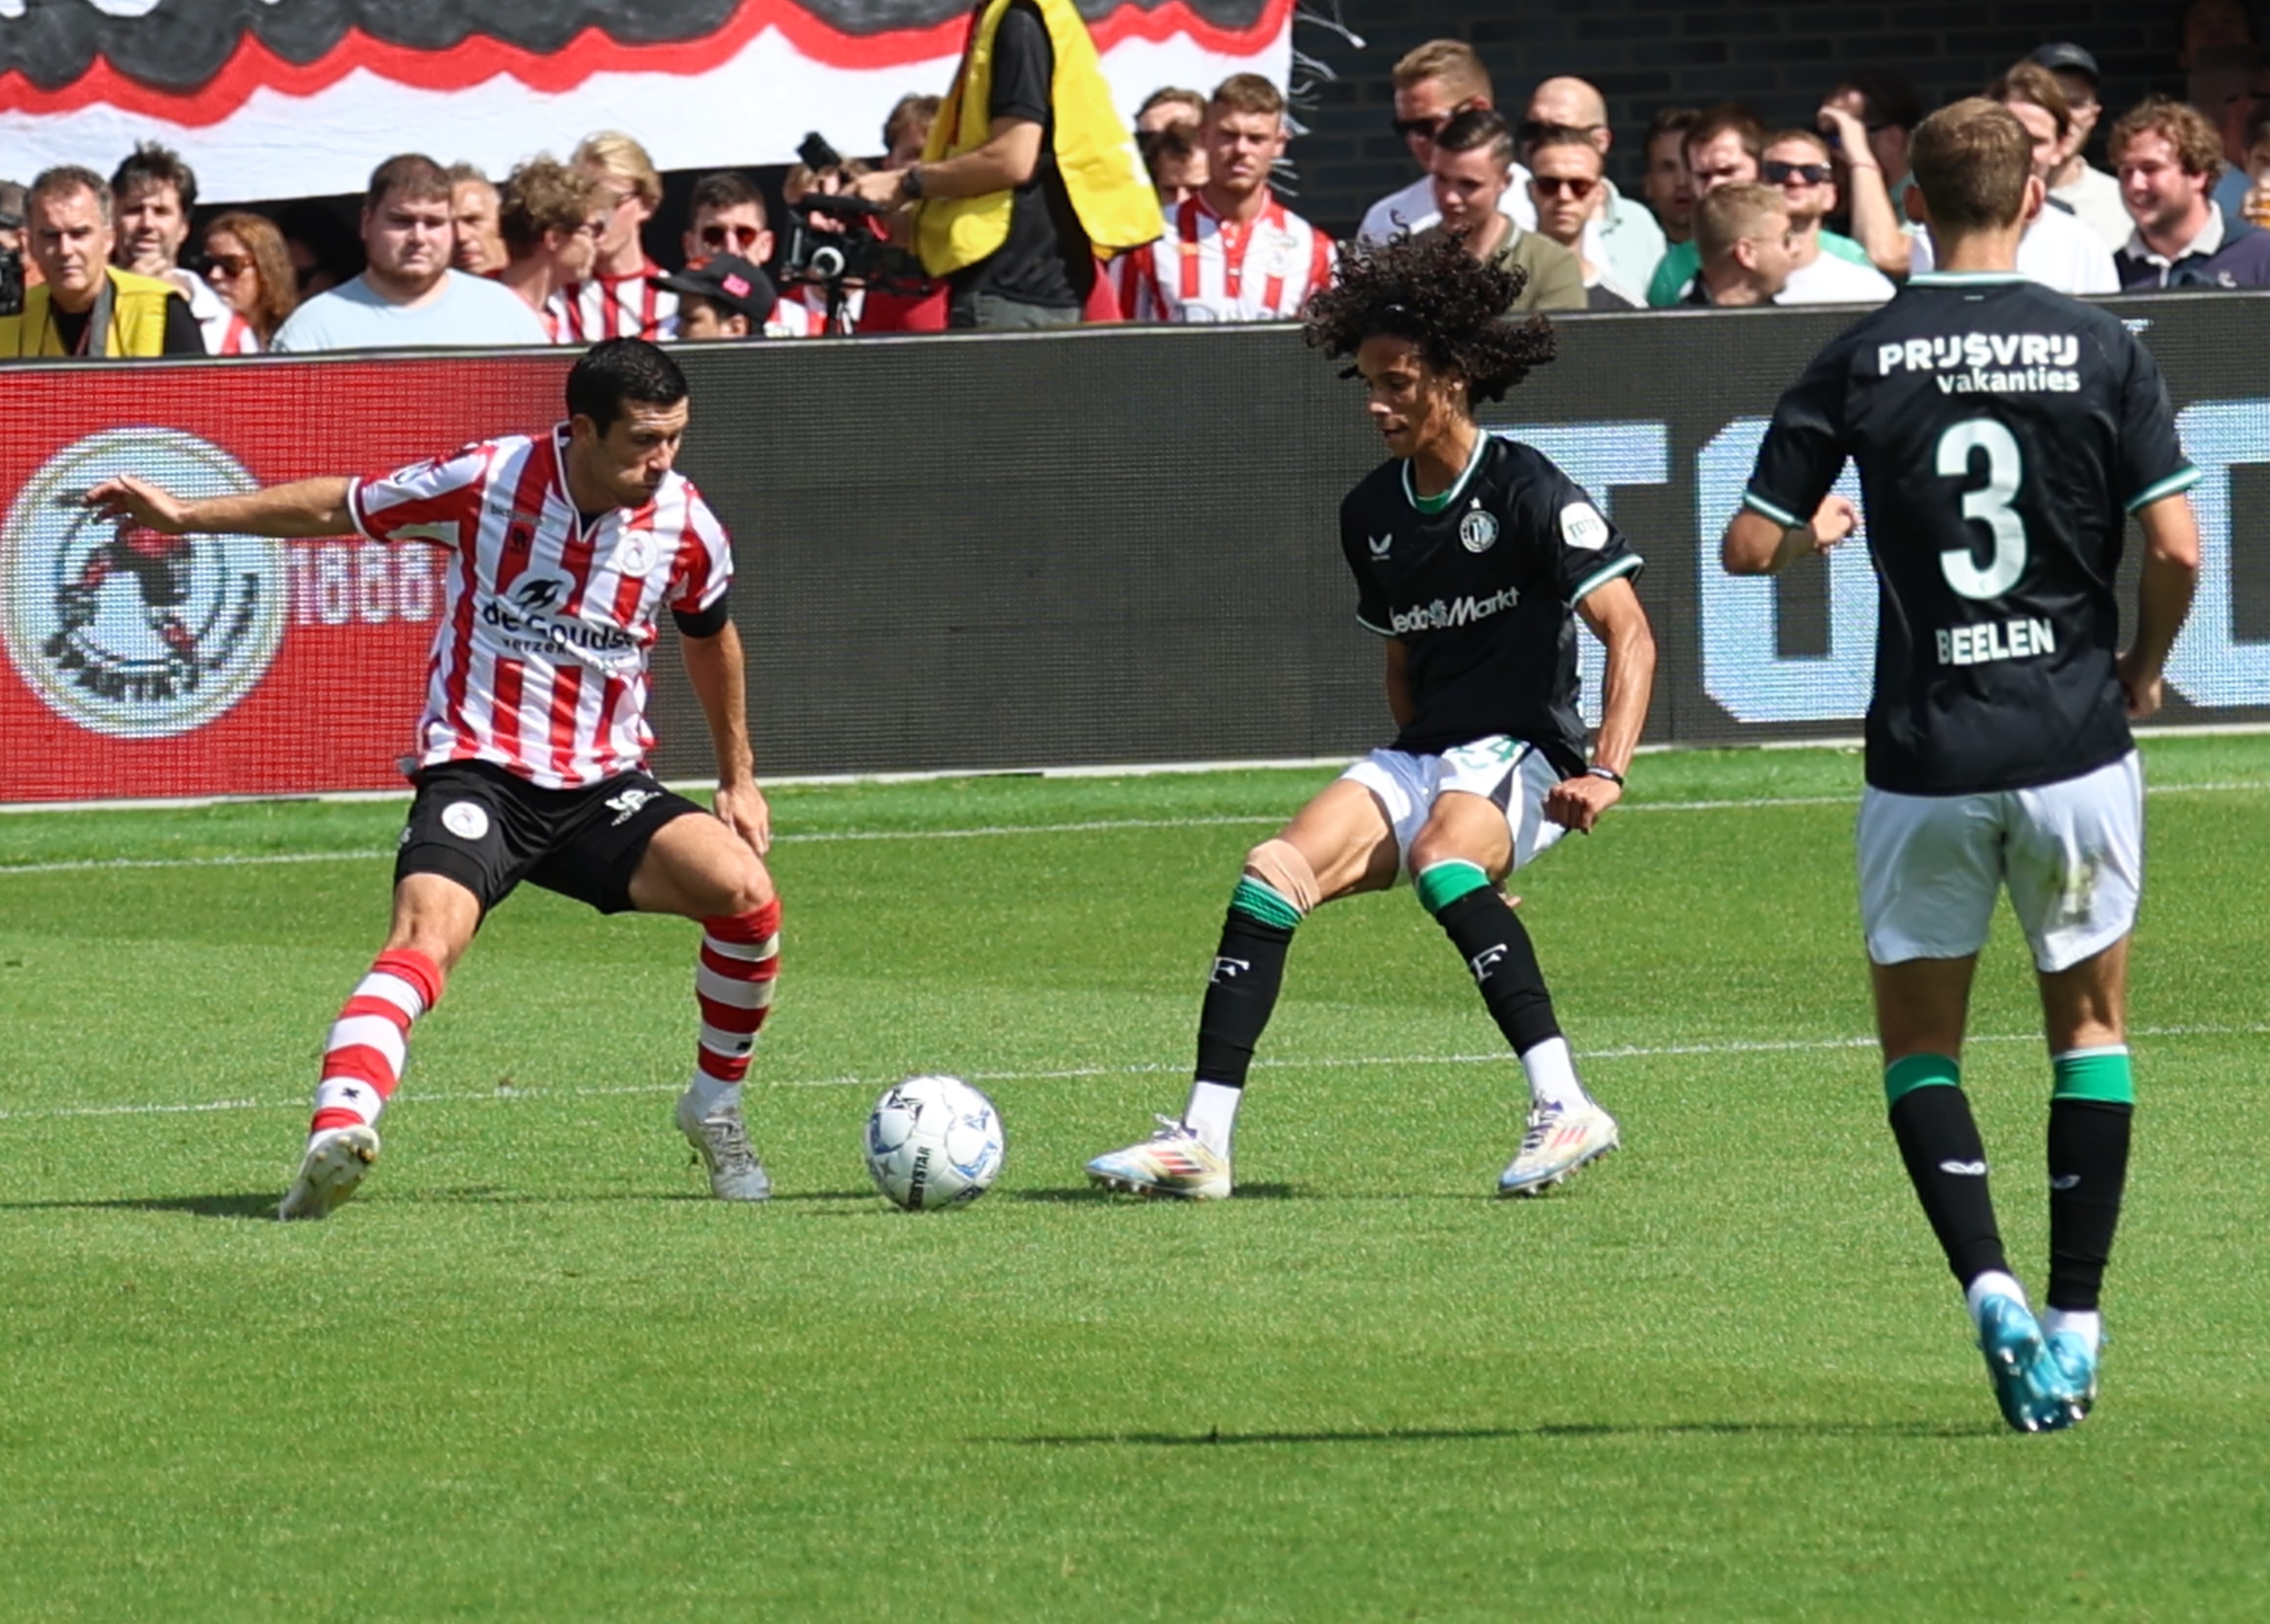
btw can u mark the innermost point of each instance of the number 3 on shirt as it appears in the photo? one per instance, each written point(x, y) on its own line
point(1989, 505)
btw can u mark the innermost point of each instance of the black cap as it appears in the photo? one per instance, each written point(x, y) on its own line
point(730, 281)
point(2064, 57)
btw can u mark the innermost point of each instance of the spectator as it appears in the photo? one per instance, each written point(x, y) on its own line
point(2057, 250)
point(1872, 216)
point(1474, 170)
point(1668, 188)
point(324, 253)
point(473, 205)
point(1029, 174)
point(407, 295)
point(247, 265)
point(2257, 211)
point(726, 217)
point(725, 296)
point(1796, 161)
point(17, 270)
point(550, 217)
point(906, 130)
point(1565, 183)
point(1748, 248)
point(1439, 79)
point(2168, 157)
point(1889, 110)
point(85, 305)
point(2228, 84)
point(1170, 106)
point(1234, 252)
point(154, 191)
point(1619, 234)
point(620, 299)
point(2090, 193)
point(1175, 157)
point(1725, 146)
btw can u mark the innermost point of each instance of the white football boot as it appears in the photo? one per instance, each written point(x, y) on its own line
point(721, 1138)
point(336, 1161)
point(1558, 1142)
point(1173, 1161)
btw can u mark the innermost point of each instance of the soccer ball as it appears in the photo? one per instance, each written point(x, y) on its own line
point(932, 1142)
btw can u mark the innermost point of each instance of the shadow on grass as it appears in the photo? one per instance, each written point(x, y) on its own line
point(1217, 1438)
point(260, 1205)
point(1088, 1195)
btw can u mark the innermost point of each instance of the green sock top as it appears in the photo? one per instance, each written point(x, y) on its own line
point(2100, 1074)
point(1904, 1076)
point(1441, 884)
point(1258, 900)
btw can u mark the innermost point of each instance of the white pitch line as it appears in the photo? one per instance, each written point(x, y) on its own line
point(1145, 1068)
point(264, 859)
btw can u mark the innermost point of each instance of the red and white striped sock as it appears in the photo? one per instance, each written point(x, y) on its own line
point(740, 960)
point(370, 1041)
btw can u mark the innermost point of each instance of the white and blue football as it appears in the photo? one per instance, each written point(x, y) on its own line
point(933, 1142)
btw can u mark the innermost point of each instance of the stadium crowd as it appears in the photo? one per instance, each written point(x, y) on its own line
point(1731, 212)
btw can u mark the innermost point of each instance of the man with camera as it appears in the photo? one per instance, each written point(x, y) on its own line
point(1028, 172)
point(85, 305)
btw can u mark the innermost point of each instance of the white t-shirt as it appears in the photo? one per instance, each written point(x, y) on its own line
point(472, 313)
point(1413, 209)
point(2056, 251)
point(2096, 198)
point(1832, 280)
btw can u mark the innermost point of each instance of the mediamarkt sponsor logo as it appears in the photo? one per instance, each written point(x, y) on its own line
point(1439, 616)
point(119, 629)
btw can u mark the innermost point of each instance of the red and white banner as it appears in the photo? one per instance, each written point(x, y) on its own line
point(290, 98)
point(139, 664)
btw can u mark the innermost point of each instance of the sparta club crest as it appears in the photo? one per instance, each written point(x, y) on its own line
point(124, 631)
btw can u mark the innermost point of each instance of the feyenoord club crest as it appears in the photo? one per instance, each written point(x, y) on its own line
point(119, 629)
point(1477, 530)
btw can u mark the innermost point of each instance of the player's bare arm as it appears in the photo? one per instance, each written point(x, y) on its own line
point(305, 508)
point(715, 668)
point(1614, 612)
point(2171, 562)
point(1756, 545)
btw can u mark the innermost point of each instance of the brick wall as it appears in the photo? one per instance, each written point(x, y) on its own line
point(1645, 55)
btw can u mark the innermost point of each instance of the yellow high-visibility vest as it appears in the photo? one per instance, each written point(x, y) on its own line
point(137, 325)
point(1095, 151)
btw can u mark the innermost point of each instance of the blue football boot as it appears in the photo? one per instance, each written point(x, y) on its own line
point(2026, 1384)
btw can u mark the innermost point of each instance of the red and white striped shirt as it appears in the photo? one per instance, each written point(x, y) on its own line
point(1207, 269)
point(629, 307)
point(539, 664)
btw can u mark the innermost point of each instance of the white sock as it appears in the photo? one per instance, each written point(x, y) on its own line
point(1993, 1283)
point(709, 1094)
point(1553, 1076)
point(1211, 1114)
point(2086, 1323)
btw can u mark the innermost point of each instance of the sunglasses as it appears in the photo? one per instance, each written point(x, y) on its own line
point(1407, 127)
point(1577, 186)
point(717, 236)
point(228, 265)
point(1779, 174)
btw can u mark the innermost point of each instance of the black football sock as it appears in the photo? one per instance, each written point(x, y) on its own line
point(2090, 1115)
point(1496, 948)
point(1249, 968)
point(1945, 1162)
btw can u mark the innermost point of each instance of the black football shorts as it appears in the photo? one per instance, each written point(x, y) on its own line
point(489, 830)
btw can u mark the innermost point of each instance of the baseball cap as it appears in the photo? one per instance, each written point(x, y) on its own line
point(2064, 57)
point(729, 280)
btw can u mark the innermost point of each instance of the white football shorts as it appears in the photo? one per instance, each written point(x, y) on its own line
point(1513, 775)
point(2072, 854)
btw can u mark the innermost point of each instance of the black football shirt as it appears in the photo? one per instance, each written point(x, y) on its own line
point(2003, 433)
point(1479, 584)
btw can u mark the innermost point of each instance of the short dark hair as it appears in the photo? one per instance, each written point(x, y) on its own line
point(2031, 82)
point(1669, 121)
point(725, 188)
point(1429, 291)
point(1886, 99)
point(413, 175)
point(1727, 118)
point(1971, 163)
point(149, 165)
point(1476, 127)
point(619, 372)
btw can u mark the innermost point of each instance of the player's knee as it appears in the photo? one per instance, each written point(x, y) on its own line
point(1279, 864)
point(745, 888)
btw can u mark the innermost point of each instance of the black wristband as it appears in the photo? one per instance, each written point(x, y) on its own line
point(1608, 773)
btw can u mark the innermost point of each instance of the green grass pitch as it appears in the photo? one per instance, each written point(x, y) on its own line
point(533, 1373)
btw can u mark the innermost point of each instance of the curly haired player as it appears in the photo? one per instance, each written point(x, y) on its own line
point(1472, 556)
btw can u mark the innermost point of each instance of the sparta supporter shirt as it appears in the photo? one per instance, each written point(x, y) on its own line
point(2003, 433)
point(1478, 584)
point(629, 307)
point(539, 665)
point(1207, 269)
